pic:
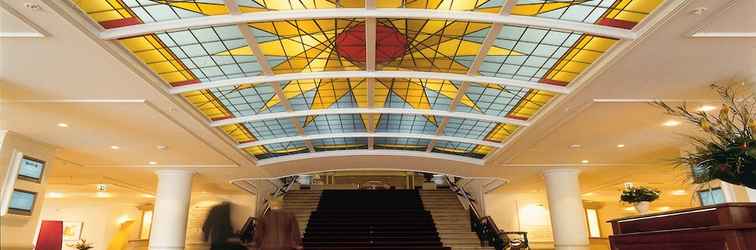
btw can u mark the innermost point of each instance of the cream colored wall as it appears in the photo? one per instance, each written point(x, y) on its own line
point(18, 232)
point(100, 217)
point(522, 212)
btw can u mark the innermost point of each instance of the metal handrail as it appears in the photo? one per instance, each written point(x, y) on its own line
point(282, 191)
point(486, 228)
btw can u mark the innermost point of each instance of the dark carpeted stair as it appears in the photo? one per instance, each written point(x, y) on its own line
point(371, 219)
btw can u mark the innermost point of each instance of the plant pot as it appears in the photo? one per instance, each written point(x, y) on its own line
point(642, 207)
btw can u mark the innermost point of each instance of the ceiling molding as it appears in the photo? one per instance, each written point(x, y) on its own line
point(362, 152)
point(697, 32)
point(371, 74)
point(724, 35)
point(368, 135)
point(401, 111)
point(267, 16)
point(35, 31)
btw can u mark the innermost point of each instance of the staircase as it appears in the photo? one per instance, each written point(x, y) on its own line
point(371, 219)
point(302, 203)
point(451, 219)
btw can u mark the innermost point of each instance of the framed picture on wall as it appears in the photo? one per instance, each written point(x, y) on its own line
point(31, 169)
point(72, 230)
point(22, 202)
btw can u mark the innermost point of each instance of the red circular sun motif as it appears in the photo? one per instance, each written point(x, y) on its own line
point(389, 45)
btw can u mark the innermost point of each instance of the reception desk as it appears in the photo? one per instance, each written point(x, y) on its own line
point(729, 226)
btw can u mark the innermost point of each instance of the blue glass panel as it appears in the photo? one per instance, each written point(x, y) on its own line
point(246, 100)
point(467, 128)
point(155, 11)
point(333, 124)
point(203, 51)
point(410, 124)
point(536, 50)
point(340, 144)
point(271, 129)
point(495, 100)
point(401, 143)
point(461, 149)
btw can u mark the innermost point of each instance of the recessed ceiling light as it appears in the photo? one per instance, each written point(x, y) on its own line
point(152, 162)
point(585, 161)
point(629, 209)
point(62, 125)
point(698, 11)
point(671, 123)
point(115, 147)
point(576, 146)
point(620, 145)
point(103, 195)
point(54, 195)
point(678, 192)
point(706, 108)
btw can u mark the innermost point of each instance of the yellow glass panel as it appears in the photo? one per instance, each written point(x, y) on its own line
point(209, 9)
point(453, 150)
point(534, 9)
point(526, 109)
point(586, 51)
point(633, 10)
point(483, 150)
point(238, 133)
point(500, 132)
point(256, 150)
point(103, 10)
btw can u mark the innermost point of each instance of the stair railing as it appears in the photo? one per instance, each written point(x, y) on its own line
point(288, 182)
point(248, 230)
point(486, 228)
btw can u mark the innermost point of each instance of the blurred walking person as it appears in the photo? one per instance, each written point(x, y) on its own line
point(277, 230)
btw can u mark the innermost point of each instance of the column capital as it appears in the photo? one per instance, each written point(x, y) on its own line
point(561, 170)
point(174, 172)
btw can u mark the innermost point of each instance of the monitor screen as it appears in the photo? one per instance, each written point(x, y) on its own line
point(711, 196)
point(31, 169)
point(22, 202)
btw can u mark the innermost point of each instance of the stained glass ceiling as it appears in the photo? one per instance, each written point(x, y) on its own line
point(470, 85)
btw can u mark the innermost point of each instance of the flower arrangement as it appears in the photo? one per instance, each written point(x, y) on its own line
point(727, 148)
point(81, 245)
point(639, 194)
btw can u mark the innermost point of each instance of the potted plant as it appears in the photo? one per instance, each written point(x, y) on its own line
point(81, 245)
point(726, 150)
point(640, 197)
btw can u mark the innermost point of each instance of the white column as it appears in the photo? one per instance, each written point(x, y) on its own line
point(171, 210)
point(568, 222)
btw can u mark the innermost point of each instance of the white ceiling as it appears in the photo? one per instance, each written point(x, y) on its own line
point(75, 78)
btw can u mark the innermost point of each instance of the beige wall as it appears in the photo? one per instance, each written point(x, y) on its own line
point(18, 231)
point(100, 217)
point(522, 212)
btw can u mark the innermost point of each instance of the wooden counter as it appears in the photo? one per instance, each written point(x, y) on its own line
point(729, 226)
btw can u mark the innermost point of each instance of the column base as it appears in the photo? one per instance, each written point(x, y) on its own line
point(571, 247)
point(166, 248)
